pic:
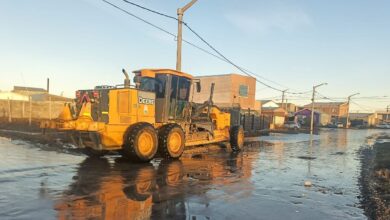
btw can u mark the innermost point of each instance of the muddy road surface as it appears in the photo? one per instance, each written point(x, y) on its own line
point(265, 181)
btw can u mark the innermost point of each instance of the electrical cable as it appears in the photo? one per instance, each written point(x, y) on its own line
point(224, 58)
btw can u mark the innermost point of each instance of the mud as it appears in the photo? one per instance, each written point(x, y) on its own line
point(265, 181)
point(375, 177)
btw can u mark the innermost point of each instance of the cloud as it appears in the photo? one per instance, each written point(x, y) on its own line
point(271, 18)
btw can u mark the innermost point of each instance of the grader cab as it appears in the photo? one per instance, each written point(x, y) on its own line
point(155, 115)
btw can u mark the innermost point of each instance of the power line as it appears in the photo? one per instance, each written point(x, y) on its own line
point(361, 107)
point(150, 10)
point(139, 18)
point(224, 58)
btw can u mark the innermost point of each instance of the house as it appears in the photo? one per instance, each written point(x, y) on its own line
point(383, 116)
point(229, 90)
point(334, 109)
point(28, 90)
point(363, 119)
point(289, 107)
point(277, 115)
point(304, 117)
point(269, 104)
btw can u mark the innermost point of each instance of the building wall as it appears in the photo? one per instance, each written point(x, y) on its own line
point(13, 96)
point(325, 119)
point(222, 89)
point(289, 107)
point(249, 100)
point(258, 106)
point(332, 109)
point(226, 90)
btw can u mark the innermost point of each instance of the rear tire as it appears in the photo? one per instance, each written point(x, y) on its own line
point(237, 138)
point(171, 141)
point(140, 142)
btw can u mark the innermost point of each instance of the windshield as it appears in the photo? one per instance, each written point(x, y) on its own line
point(156, 85)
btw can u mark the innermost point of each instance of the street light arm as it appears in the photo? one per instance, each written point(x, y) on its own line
point(353, 95)
point(187, 6)
point(322, 84)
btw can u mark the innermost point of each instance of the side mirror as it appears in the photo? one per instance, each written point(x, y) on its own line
point(137, 81)
point(198, 87)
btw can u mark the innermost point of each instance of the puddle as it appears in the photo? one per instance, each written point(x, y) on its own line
point(266, 179)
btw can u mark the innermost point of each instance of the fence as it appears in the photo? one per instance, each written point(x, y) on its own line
point(11, 110)
point(253, 123)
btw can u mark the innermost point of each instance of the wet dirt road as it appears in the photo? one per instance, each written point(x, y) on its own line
point(265, 181)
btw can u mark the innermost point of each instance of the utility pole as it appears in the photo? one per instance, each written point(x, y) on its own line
point(180, 13)
point(312, 106)
point(283, 92)
point(387, 112)
point(349, 101)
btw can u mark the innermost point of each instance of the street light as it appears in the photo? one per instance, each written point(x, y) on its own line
point(349, 100)
point(312, 107)
point(180, 13)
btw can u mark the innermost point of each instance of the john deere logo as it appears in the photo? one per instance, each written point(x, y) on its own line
point(145, 101)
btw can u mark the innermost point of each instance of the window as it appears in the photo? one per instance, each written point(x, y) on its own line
point(243, 91)
point(154, 85)
point(184, 89)
point(147, 84)
point(161, 81)
point(180, 90)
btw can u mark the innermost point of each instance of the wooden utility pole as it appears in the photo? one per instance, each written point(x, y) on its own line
point(387, 112)
point(312, 106)
point(180, 13)
point(349, 101)
point(283, 92)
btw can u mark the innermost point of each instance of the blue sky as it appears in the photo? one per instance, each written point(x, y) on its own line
point(83, 43)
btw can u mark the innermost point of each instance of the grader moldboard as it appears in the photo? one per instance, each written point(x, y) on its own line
point(155, 115)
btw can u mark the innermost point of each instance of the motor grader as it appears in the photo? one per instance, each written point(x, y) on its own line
point(154, 115)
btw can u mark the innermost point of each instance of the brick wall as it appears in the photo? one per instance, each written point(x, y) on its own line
point(226, 90)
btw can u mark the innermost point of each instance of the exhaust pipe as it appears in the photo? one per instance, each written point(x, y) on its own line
point(127, 80)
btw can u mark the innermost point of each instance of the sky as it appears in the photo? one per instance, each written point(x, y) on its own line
point(290, 44)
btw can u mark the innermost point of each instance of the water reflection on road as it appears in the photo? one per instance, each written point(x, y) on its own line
point(263, 182)
point(116, 189)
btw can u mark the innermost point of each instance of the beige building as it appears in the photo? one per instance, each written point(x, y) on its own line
point(383, 116)
point(229, 90)
point(28, 90)
point(369, 119)
point(334, 109)
point(13, 96)
point(289, 107)
point(277, 115)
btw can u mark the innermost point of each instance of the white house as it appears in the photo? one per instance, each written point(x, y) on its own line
point(269, 104)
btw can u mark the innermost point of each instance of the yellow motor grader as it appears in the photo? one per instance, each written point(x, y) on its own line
point(155, 115)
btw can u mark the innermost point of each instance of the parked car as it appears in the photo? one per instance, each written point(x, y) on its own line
point(292, 125)
point(383, 126)
point(331, 125)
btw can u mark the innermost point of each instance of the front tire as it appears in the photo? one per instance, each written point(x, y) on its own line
point(237, 138)
point(171, 141)
point(140, 142)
